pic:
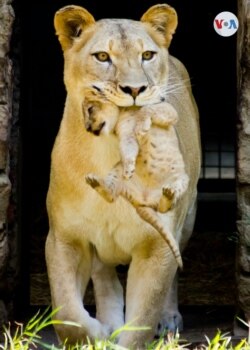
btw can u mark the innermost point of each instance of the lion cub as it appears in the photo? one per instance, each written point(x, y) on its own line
point(145, 159)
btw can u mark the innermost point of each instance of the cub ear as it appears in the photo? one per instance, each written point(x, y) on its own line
point(69, 22)
point(163, 18)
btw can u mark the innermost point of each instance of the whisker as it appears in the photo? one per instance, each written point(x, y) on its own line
point(181, 82)
point(172, 89)
point(189, 81)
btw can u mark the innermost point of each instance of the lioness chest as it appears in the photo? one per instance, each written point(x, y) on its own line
point(114, 229)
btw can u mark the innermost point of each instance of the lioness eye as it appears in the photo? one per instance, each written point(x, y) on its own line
point(148, 55)
point(102, 56)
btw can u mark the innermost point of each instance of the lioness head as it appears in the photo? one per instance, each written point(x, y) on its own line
point(124, 60)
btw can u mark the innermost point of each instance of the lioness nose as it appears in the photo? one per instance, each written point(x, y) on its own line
point(133, 91)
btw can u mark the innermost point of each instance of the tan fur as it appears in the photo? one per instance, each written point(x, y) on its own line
point(88, 237)
point(141, 147)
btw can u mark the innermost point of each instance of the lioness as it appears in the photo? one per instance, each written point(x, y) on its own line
point(88, 237)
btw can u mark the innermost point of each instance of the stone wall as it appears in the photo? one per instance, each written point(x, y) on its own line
point(6, 91)
point(243, 158)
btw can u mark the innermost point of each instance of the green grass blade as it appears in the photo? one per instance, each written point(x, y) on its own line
point(125, 328)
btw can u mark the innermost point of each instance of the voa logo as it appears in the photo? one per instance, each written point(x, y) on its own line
point(226, 23)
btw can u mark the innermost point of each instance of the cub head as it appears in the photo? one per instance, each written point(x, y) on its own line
point(126, 61)
point(100, 115)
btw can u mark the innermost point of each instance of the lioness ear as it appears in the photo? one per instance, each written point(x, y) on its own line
point(69, 22)
point(163, 18)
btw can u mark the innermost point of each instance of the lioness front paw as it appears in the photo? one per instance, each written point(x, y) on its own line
point(99, 185)
point(99, 330)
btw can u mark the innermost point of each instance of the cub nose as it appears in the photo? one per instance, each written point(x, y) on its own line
point(133, 91)
point(95, 129)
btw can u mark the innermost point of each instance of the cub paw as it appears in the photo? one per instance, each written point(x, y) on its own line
point(128, 169)
point(100, 187)
point(168, 193)
point(166, 200)
point(92, 180)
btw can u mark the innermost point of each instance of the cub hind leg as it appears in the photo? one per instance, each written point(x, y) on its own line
point(172, 192)
point(113, 185)
point(108, 187)
point(166, 200)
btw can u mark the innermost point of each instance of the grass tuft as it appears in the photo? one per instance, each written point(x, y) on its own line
point(27, 337)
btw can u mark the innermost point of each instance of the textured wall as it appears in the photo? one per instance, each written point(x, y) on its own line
point(243, 163)
point(6, 21)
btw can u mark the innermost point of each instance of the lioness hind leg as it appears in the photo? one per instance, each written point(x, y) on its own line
point(69, 272)
point(108, 295)
point(170, 317)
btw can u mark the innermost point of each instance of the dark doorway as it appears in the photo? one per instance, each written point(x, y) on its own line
point(211, 62)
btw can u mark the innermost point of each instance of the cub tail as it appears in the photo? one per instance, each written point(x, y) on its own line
point(150, 216)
